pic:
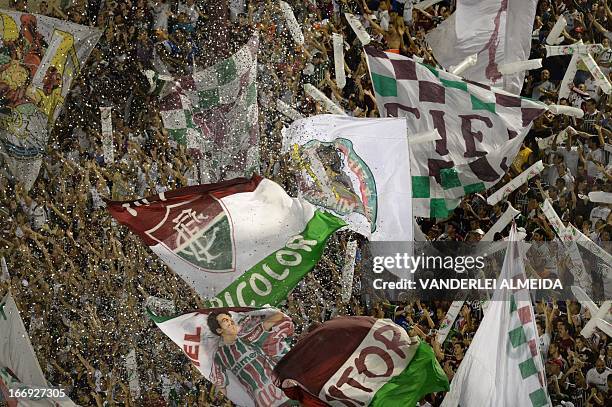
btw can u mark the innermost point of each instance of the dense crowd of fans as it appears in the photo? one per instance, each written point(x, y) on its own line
point(81, 281)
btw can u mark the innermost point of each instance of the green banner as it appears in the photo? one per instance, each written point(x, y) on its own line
point(270, 281)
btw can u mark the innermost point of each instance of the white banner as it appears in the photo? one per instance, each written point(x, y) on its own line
point(501, 223)
point(449, 320)
point(601, 79)
point(131, 366)
point(348, 270)
point(108, 147)
point(578, 48)
point(292, 24)
point(568, 79)
point(319, 96)
point(511, 186)
point(357, 27)
point(338, 41)
point(5, 276)
point(288, 111)
point(554, 36)
point(582, 276)
point(600, 196)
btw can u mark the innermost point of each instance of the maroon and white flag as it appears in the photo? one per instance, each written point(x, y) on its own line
point(359, 361)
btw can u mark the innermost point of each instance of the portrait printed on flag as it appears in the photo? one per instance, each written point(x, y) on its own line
point(249, 348)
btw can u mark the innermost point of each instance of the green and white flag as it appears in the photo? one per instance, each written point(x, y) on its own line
point(481, 128)
point(214, 111)
point(244, 241)
point(503, 366)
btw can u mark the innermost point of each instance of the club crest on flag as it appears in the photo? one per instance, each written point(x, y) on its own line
point(198, 231)
point(329, 172)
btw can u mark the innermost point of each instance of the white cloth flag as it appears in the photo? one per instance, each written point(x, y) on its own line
point(5, 276)
point(582, 276)
point(501, 223)
point(319, 96)
point(503, 366)
point(19, 368)
point(516, 182)
point(600, 196)
point(498, 31)
point(357, 27)
point(449, 320)
point(357, 168)
point(339, 60)
point(107, 134)
point(348, 270)
point(131, 366)
point(292, 24)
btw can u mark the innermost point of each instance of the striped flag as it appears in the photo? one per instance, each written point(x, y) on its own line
point(245, 240)
point(357, 361)
point(215, 111)
point(481, 128)
point(235, 348)
point(503, 366)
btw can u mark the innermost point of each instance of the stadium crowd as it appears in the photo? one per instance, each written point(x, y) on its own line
point(81, 281)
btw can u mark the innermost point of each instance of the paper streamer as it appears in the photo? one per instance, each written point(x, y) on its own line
point(463, 65)
point(426, 4)
point(578, 48)
point(555, 37)
point(566, 110)
point(131, 367)
point(288, 111)
point(107, 134)
point(449, 320)
point(600, 78)
point(520, 66)
point(578, 269)
point(511, 186)
point(599, 315)
point(357, 27)
point(348, 270)
point(292, 24)
point(424, 137)
point(317, 95)
point(5, 276)
point(568, 78)
point(501, 223)
point(338, 41)
point(600, 196)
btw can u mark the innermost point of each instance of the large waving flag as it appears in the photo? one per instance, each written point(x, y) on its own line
point(359, 361)
point(235, 348)
point(497, 31)
point(38, 60)
point(19, 368)
point(215, 111)
point(481, 128)
point(503, 366)
point(245, 239)
point(357, 168)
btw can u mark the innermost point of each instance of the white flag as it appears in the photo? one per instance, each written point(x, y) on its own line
point(503, 366)
point(498, 31)
point(19, 368)
point(357, 168)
